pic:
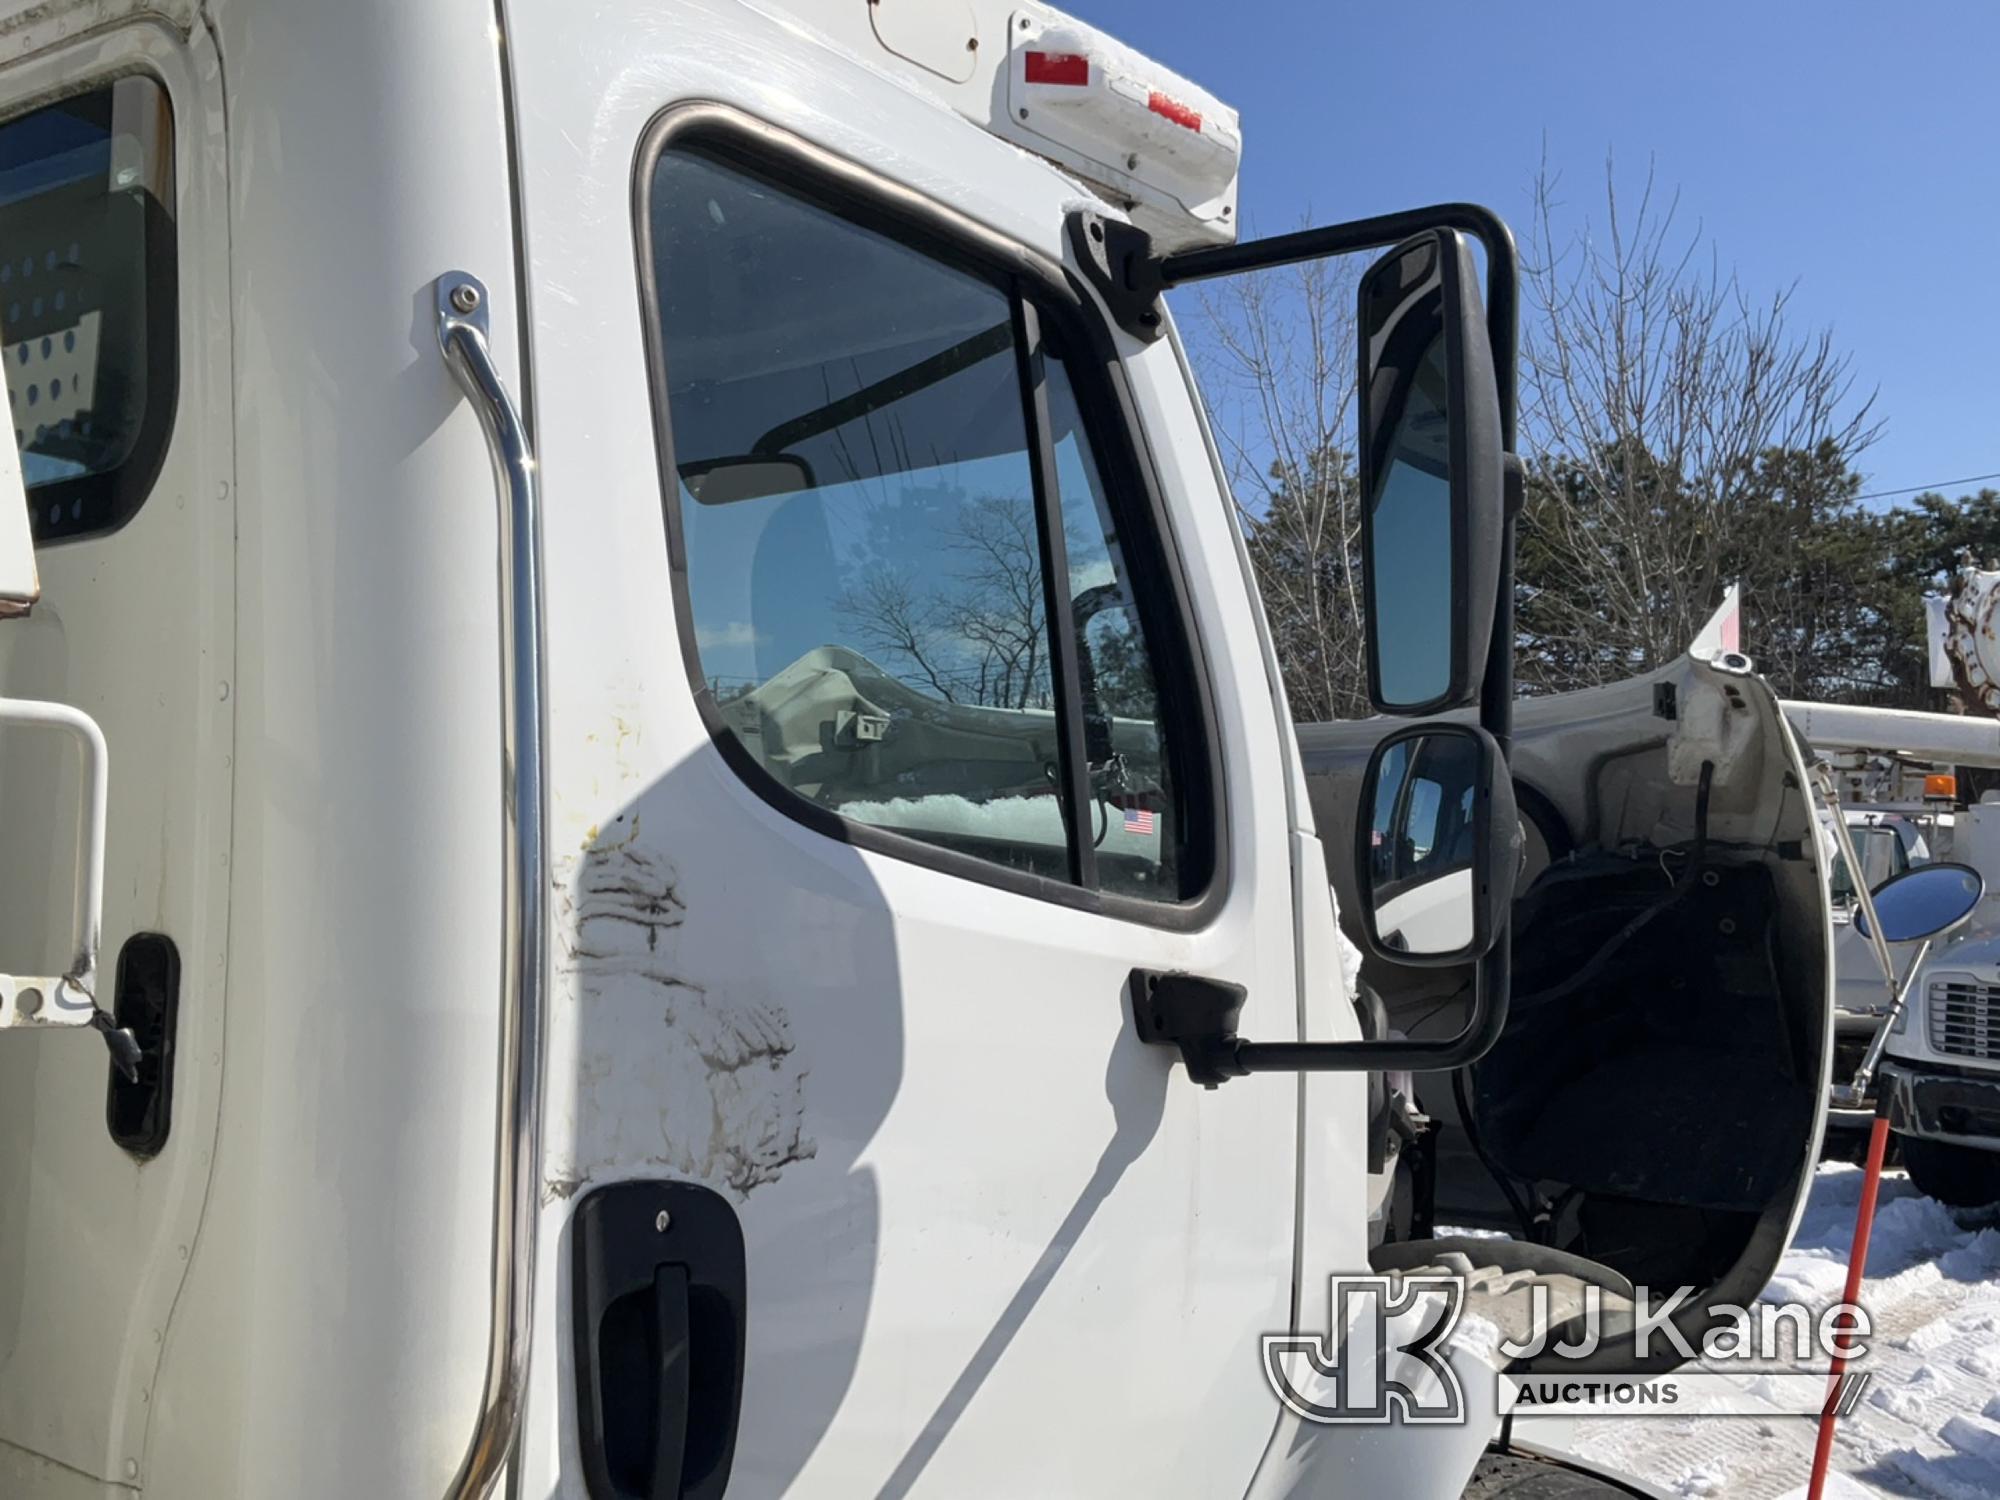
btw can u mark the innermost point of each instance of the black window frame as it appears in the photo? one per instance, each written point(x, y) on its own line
point(122, 492)
point(1040, 292)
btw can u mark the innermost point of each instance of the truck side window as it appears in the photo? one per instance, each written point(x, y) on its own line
point(1124, 736)
point(859, 536)
point(87, 302)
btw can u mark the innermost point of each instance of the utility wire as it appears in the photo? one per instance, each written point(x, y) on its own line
point(1918, 488)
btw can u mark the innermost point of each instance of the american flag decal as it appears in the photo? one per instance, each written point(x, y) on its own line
point(1139, 820)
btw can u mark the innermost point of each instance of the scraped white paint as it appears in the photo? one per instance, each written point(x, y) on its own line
point(670, 1073)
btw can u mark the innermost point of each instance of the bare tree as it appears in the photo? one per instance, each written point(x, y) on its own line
point(1275, 354)
point(1655, 391)
point(994, 603)
point(890, 614)
point(973, 628)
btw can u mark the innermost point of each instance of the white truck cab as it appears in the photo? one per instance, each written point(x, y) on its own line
point(1938, 1045)
point(696, 781)
point(1940, 1074)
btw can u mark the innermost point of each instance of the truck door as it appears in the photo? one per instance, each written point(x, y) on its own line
point(895, 724)
point(112, 228)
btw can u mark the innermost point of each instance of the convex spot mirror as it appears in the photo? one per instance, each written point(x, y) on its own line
point(1923, 903)
point(1438, 845)
point(1433, 476)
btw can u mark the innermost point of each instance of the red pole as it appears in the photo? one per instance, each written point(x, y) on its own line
point(1857, 1261)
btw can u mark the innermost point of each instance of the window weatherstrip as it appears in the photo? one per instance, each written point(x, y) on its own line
point(1075, 766)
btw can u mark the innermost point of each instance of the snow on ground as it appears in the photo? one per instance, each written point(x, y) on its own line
point(1929, 1425)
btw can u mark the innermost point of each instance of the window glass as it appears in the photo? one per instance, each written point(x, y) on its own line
point(1134, 820)
point(87, 301)
point(857, 510)
point(863, 544)
point(1882, 856)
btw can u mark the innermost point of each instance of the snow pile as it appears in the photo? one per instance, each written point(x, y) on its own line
point(1930, 1423)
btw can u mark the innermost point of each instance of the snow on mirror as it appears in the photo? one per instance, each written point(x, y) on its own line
point(1924, 902)
point(1422, 843)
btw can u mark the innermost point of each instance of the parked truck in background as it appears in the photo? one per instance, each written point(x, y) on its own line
point(1940, 1072)
point(1940, 1065)
point(690, 869)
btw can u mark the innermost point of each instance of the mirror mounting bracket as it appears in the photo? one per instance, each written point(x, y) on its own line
point(1117, 260)
point(1194, 1014)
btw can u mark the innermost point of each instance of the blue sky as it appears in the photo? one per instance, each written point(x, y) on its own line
point(1852, 150)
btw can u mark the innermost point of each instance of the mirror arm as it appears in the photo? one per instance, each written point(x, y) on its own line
point(1199, 1017)
point(1117, 260)
point(1496, 690)
point(1503, 270)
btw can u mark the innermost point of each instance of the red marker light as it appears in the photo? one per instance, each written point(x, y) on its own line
point(1172, 109)
point(1071, 68)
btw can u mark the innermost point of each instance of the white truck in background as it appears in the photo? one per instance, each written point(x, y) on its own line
point(1939, 1071)
point(690, 851)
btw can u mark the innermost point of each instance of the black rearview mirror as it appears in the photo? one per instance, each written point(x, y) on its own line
point(725, 481)
point(1432, 474)
point(1438, 845)
point(1437, 380)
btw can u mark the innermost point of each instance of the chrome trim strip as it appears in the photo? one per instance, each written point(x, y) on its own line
point(524, 979)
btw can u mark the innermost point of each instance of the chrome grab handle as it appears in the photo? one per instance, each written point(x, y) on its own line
point(462, 336)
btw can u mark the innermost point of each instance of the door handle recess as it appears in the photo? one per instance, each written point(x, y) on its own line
point(658, 1307)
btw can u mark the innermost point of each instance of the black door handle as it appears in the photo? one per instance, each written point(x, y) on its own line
point(676, 1378)
point(659, 1312)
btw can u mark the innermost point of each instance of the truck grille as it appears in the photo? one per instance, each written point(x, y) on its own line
point(1965, 1019)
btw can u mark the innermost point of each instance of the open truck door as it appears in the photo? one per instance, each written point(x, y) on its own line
point(1655, 1100)
point(20, 582)
point(29, 1000)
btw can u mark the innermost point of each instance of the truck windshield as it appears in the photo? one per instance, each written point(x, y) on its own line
point(1880, 851)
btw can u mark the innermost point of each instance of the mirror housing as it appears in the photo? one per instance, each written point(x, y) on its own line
point(1433, 465)
point(1118, 263)
point(1437, 845)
